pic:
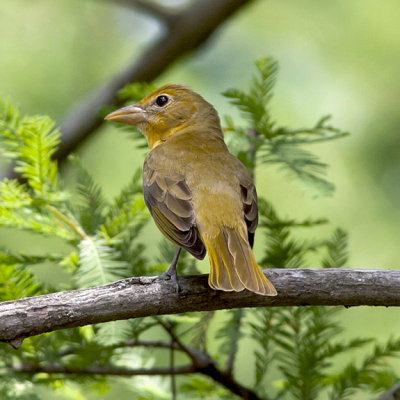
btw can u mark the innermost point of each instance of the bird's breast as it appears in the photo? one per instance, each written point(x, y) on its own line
point(210, 172)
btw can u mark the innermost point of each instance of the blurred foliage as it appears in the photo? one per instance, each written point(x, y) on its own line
point(295, 348)
point(278, 145)
point(335, 57)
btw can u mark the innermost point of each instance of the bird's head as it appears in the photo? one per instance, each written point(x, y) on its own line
point(167, 111)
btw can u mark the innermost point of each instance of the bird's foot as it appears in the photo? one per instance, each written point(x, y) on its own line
point(171, 273)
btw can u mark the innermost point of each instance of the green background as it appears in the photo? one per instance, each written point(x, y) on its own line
point(340, 57)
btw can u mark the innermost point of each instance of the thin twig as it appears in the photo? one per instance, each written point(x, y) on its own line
point(212, 372)
point(199, 359)
point(234, 345)
point(207, 366)
point(129, 343)
point(172, 366)
point(97, 370)
point(75, 227)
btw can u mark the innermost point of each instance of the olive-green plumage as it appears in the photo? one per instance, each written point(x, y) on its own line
point(201, 197)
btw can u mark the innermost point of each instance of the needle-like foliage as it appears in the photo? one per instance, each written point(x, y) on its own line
point(274, 144)
point(287, 353)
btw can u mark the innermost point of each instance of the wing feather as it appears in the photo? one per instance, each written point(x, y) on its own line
point(250, 208)
point(169, 202)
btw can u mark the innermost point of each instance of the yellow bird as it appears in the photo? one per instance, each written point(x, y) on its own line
point(201, 197)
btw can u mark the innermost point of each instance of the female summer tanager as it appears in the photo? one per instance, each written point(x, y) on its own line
point(201, 197)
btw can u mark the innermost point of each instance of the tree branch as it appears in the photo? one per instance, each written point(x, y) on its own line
point(97, 370)
point(234, 345)
point(392, 394)
point(190, 30)
point(187, 31)
point(199, 358)
point(201, 363)
point(129, 343)
point(163, 14)
point(149, 296)
point(211, 371)
point(207, 366)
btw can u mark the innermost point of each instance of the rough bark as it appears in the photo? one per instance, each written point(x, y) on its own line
point(149, 296)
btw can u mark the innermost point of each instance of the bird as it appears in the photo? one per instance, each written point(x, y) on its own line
point(201, 197)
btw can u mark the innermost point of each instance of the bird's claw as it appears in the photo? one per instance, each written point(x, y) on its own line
point(171, 274)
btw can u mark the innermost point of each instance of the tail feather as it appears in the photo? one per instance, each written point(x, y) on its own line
point(233, 266)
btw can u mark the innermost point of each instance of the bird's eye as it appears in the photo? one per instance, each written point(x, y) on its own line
point(162, 100)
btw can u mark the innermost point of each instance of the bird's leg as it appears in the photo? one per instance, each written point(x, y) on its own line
point(171, 271)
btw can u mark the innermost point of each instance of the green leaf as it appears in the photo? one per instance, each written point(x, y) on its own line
point(92, 206)
point(198, 388)
point(98, 263)
point(113, 333)
point(372, 370)
point(231, 333)
point(126, 218)
point(40, 140)
point(271, 144)
point(10, 121)
point(282, 251)
point(200, 329)
point(337, 250)
point(301, 339)
point(133, 92)
point(301, 163)
point(17, 282)
point(9, 257)
point(263, 327)
point(13, 194)
point(34, 220)
point(15, 388)
point(30, 142)
point(342, 347)
point(254, 103)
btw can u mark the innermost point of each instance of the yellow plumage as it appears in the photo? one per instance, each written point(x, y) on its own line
point(201, 197)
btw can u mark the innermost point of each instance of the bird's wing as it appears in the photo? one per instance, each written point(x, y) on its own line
point(250, 208)
point(169, 202)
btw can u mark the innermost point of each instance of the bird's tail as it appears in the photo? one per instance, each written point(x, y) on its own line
point(233, 266)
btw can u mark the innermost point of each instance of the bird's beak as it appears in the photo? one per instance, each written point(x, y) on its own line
point(131, 115)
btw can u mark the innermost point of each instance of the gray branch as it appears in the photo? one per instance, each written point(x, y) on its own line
point(205, 365)
point(149, 296)
point(30, 368)
point(392, 394)
point(163, 14)
point(190, 29)
point(201, 363)
point(186, 32)
point(210, 370)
